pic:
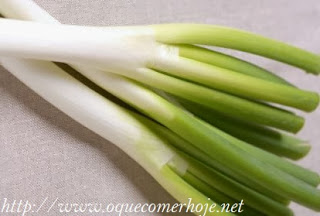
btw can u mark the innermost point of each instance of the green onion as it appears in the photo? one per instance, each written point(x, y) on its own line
point(220, 197)
point(104, 48)
point(229, 62)
point(133, 63)
point(239, 40)
point(123, 127)
point(237, 83)
point(262, 137)
point(236, 190)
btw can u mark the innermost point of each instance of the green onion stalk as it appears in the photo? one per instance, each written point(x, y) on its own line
point(273, 141)
point(139, 54)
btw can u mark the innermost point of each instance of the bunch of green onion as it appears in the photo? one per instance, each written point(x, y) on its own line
point(199, 121)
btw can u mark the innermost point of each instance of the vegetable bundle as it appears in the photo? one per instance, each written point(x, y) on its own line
point(199, 121)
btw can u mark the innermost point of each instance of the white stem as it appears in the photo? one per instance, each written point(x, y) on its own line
point(105, 118)
point(129, 91)
point(107, 48)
